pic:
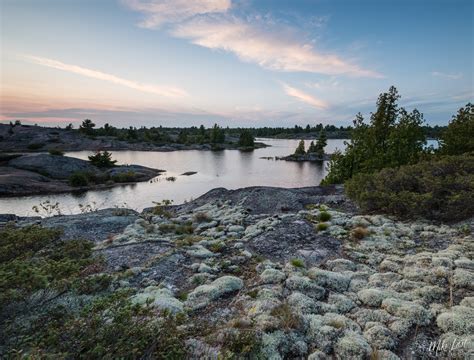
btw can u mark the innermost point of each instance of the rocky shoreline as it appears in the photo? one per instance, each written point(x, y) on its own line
point(33, 174)
point(257, 260)
point(27, 138)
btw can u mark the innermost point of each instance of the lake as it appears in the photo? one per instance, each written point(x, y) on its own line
point(230, 169)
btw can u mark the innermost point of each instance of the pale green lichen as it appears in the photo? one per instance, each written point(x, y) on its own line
point(329, 279)
point(161, 299)
point(272, 276)
point(414, 312)
point(305, 285)
point(380, 337)
point(204, 294)
point(459, 320)
point(352, 346)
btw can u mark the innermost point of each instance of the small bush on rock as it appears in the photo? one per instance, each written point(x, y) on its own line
point(297, 263)
point(78, 179)
point(324, 216)
point(322, 226)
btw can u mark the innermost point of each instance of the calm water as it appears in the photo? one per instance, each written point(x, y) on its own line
point(231, 169)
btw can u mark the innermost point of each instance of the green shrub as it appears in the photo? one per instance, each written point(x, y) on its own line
point(79, 178)
point(324, 216)
point(322, 226)
point(33, 258)
point(458, 137)
point(56, 152)
point(297, 263)
point(129, 176)
point(441, 189)
point(184, 229)
point(63, 323)
point(102, 159)
point(35, 146)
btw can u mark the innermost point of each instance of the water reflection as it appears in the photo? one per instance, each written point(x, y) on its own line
point(229, 168)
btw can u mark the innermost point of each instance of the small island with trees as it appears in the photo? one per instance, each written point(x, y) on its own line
point(315, 151)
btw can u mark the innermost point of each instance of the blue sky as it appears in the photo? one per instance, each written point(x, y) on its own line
point(237, 63)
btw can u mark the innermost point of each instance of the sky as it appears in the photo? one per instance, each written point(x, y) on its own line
point(244, 63)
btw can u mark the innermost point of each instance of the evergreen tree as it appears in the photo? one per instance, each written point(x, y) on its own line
point(300, 148)
point(458, 138)
point(393, 137)
point(87, 127)
point(312, 148)
point(246, 139)
point(217, 135)
point(321, 143)
point(182, 137)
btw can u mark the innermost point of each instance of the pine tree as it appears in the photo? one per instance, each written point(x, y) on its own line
point(321, 143)
point(300, 148)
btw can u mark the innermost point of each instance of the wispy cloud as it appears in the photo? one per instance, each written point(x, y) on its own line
point(446, 75)
point(270, 50)
point(255, 39)
point(166, 91)
point(305, 97)
point(158, 12)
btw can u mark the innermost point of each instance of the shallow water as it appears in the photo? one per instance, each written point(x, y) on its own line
point(231, 169)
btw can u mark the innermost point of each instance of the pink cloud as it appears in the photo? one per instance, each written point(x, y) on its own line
point(305, 97)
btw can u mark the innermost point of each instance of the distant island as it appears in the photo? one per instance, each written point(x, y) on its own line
point(18, 137)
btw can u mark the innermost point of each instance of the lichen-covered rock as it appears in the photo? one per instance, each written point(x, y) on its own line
point(363, 316)
point(305, 285)
point(204, 294)
point(339, 265)
point(373, 297)
point(459, 320)
point(302, 303)
point(329, 279)
point(385, 355)
point(383, 279)
point(161, 299)
point(272, 276)
point(463, 278)
point(200, 251)
point(467, 301)
point(341, 303)
point(317, 355)
point(379, 337)
point(411, 311)
point(352, 346)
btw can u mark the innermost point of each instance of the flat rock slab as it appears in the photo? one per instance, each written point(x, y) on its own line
point(94, 226)
point(17, 182)
point(271, 200)
point(296, 239)
point(53, 166)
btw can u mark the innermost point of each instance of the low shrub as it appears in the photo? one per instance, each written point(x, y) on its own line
point(128, 176)
point(359, 233)
point(288, 319)
point(297, 263)
point(440, 189)
point(45, 315)
point(184, 229)
point(201, 217)
point(56, 152)
point(324, 216)
point(35, 146)
point(79, 179)
point(322, 226)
